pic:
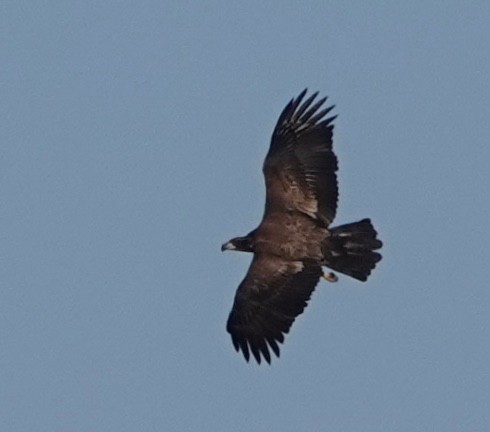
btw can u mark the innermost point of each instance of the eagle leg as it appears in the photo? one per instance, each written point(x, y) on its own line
point(330, 277)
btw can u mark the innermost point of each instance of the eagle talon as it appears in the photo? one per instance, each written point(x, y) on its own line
point(330, 277)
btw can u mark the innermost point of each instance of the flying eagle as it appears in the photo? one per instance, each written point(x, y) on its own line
point(294, 240)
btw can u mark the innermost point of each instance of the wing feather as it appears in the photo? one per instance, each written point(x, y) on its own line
point(300, 167)
point(273, 293)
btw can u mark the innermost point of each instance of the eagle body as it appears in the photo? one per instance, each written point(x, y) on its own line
point(292, 236)
point(294, 239)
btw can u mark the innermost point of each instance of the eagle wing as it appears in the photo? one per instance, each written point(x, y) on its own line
point(273, 293)
point(300, 167)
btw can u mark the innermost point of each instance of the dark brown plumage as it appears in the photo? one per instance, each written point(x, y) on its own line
point(294, 240)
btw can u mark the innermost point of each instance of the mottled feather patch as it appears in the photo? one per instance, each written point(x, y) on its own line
point(297, 266)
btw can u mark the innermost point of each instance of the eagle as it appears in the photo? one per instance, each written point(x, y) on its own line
point(294, 240)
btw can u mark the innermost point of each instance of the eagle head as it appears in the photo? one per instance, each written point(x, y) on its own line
point(242, 244)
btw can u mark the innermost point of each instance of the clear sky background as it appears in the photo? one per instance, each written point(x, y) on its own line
point(131, 143)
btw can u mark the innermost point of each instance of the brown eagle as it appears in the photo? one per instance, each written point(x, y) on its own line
point(294, 240)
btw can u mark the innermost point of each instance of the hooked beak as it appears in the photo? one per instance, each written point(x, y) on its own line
point(227, 246)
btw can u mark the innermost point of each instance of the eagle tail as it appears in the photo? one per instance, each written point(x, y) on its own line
point(351, 249)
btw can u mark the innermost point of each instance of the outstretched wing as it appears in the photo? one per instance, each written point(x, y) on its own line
point(300, 167)
point(273, 293)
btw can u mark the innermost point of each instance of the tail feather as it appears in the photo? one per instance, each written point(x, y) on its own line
point(351, 249)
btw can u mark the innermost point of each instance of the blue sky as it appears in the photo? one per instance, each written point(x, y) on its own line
point(132, 140)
